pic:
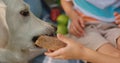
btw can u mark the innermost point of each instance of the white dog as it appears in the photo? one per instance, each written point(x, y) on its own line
point(17, 30)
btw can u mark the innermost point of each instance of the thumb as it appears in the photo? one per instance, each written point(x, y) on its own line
point(64, 39)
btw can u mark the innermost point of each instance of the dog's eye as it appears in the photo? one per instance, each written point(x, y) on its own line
point(24, 13)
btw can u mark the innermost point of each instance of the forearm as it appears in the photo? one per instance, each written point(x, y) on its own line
point(96, 57)
point(68, 8)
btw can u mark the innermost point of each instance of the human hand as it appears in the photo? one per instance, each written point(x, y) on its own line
point(117, 18)
point(77, 25)
point(73, 50)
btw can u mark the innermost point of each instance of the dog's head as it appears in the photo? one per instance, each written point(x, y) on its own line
point(23, 25)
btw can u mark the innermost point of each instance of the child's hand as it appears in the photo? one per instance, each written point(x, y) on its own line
point(117, 18)
point(73, 50)
point(77, 25)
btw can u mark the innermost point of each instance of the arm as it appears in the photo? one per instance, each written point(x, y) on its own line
point(74, 50)
point(68, 8)
point(77, 24)
point(96, 57)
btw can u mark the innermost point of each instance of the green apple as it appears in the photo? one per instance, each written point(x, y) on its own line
point(62, 29)
point(62, 19)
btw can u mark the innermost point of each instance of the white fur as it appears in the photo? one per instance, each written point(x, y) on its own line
point(17, 31)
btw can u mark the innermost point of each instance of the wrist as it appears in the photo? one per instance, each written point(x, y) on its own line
point(84, 53)
point(89, 55)
point(72, 14)
point(93, 56)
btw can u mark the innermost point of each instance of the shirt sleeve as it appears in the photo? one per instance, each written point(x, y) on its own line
point(102, 3)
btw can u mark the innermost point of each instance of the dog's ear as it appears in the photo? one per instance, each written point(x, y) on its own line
point(4, 30)
point(2, 4)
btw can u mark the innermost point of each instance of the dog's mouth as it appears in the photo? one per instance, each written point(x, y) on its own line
point(35, 38)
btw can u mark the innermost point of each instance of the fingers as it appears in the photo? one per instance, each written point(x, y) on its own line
point(73, 31)
point(117, 18)
point(60, 57)
point(82, 22)
point(118, 25)
point(81, 16)
point(116, 13)
point(58, 54)
point(118, 22)
point(76, 29)
point(55, 53)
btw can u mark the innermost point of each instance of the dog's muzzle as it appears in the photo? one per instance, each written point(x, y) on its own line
point(52, 34)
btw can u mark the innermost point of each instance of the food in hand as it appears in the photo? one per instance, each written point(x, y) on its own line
point(50, 43)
